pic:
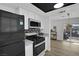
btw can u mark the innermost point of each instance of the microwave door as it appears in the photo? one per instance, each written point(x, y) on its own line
point(34, 24)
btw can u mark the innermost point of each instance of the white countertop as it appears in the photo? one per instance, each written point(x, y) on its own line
point(27, 42)
point(44, 35)
point(29, 34)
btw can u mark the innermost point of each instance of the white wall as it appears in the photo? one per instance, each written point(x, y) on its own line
point(61, 19)
point(44, 22)
point(46, 26)
point(4, 7)
point(72, 9)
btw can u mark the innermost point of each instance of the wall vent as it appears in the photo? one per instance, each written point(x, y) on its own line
point(62, 11)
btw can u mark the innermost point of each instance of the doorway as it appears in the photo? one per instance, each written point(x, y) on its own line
point(71, 33)
point(54, 33)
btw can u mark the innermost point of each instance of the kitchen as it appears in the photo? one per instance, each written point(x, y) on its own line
point(33, 27)
point(20, 9)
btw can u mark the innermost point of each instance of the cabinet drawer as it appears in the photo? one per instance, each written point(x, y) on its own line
point(12, 50)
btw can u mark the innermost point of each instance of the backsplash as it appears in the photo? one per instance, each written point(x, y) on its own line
point(30, 30)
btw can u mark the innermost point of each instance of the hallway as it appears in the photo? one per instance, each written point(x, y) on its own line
point(63, 48)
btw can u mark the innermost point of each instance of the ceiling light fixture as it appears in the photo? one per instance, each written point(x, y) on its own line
point(58, 5)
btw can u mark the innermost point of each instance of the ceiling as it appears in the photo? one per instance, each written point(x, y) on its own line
point(32, 8)
point(47, 7)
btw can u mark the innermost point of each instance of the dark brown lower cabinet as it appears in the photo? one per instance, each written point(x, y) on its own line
point(11, 34)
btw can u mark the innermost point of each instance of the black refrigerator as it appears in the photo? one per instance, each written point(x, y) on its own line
point(11, 34)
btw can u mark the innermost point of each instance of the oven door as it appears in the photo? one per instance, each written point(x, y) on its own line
point(37, 50)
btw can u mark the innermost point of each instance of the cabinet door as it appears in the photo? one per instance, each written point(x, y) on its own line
point(17, 23)
point(29, 50)
point(13, 49)
point(8, 24)
point(5, 24)
point(13, 25)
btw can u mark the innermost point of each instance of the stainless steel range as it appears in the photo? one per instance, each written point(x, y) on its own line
point(38, 45)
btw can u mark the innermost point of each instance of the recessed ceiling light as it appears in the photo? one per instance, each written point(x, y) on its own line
point(58, 5)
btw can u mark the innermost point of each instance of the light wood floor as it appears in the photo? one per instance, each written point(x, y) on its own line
point(63, 48)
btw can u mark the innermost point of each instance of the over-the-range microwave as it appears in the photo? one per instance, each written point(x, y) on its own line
point(34, 23)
